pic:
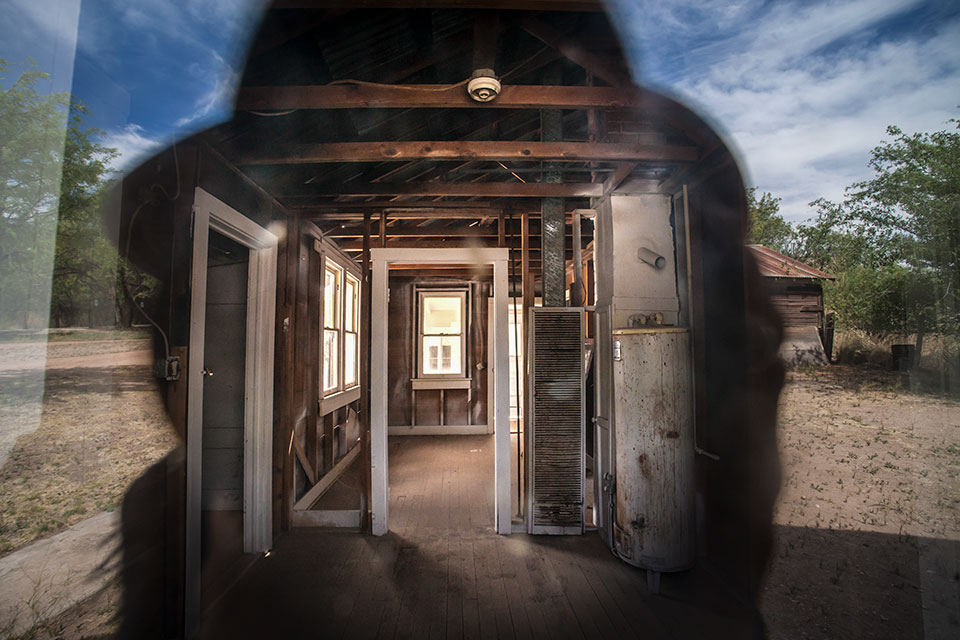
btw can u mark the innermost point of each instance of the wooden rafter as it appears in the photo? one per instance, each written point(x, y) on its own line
point(466, 189)
point(599, 66)
point(338, 152)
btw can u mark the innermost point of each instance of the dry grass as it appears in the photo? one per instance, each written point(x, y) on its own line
point(98, 430)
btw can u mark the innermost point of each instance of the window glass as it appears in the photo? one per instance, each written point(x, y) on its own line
point(350, 299)
point(331, 344)
point(441, 315)
point(441, 354)
point(331, 286)
point(350, 357)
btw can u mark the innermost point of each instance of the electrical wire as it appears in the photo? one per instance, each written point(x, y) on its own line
point(438, 89)
point(273, 114)
point(126, 251)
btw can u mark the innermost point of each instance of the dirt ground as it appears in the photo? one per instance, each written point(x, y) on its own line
point(868, 520)
point(83, 429)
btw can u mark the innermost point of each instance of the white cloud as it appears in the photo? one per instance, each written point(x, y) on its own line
point(222, 80)
point(803, 91)
point(132, 146)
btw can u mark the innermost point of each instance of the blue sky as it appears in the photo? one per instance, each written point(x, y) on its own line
point(802, 90)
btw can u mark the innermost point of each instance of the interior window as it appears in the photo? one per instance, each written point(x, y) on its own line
point(333, 275)
point(442, 339)
point(351, 342)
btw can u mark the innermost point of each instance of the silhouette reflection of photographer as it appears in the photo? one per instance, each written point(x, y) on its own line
point(739, 490)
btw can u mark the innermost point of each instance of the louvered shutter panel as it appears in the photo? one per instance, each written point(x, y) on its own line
point(556, 397)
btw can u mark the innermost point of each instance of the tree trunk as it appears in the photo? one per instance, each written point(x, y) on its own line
point(918, 351)
point(125, 305)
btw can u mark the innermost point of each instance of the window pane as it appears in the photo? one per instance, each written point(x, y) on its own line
point(350, 357)
point(330, 361)
point(441, 315)
point(330, 285)
point(441, 354)
point(350, 305)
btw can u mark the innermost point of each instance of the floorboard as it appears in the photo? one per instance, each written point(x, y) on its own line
point(442, 572)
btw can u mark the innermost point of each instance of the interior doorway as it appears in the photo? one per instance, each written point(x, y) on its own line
point(224, 377)
point(379, 374)
point(230, 394)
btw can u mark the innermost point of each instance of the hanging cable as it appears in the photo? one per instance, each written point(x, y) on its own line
point(126, 251)
point(273, 114)
point(438, 88)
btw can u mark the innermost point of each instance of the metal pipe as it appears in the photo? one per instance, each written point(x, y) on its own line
point(651, 257)
point(693, 360)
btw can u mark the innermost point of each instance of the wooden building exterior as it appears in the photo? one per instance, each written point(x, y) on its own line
point(795, 288)
point(355, 139)
point(796, 293)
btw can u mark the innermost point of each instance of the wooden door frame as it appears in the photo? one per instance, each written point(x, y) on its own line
point(212, 214)
point(381, 259)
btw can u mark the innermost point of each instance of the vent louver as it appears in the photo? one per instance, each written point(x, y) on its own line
point(557, 428)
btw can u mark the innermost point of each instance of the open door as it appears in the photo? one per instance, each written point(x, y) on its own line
point(228, 450)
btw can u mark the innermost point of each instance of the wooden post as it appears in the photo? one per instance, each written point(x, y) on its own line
point(501, 231)
point(366, 301)
point(312, 361)
point(383, 229)
point(526, 283)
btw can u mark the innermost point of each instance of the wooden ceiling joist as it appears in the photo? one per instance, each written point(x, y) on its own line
point(484, 150)
point(376, 96)
point(465, 189)
point(458, 231)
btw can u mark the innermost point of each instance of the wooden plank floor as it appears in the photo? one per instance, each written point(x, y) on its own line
point(442, 572)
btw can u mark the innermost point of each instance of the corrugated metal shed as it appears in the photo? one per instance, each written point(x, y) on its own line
point(774, 264)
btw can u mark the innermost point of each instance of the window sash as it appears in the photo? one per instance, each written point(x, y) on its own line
point(442, 362)
point(340, 337)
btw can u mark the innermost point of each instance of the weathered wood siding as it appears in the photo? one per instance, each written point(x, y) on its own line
point(799, 303)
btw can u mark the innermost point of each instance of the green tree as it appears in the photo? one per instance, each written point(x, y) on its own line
point(913, 203)
point(85, 262)
point(32, 139)
point(56, 263)
point(766, 225)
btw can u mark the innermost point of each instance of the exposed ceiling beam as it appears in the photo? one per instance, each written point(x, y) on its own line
point(464, 150)
point(357, 96)
point(429, 232)
point(436, 243)
point(466, 189)
point(623, 171)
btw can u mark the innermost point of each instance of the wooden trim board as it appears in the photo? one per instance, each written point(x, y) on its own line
point(317, 490)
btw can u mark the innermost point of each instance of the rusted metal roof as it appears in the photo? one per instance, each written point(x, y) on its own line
point(774, 264)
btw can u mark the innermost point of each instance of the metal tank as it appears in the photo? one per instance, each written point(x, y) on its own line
point(655, 492)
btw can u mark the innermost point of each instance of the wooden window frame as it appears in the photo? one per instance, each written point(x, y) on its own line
point(355, 332)
point(343, 394)
point(334, 324)
point(464, 294)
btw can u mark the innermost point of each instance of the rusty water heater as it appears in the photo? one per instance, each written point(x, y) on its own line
point(655, 492)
